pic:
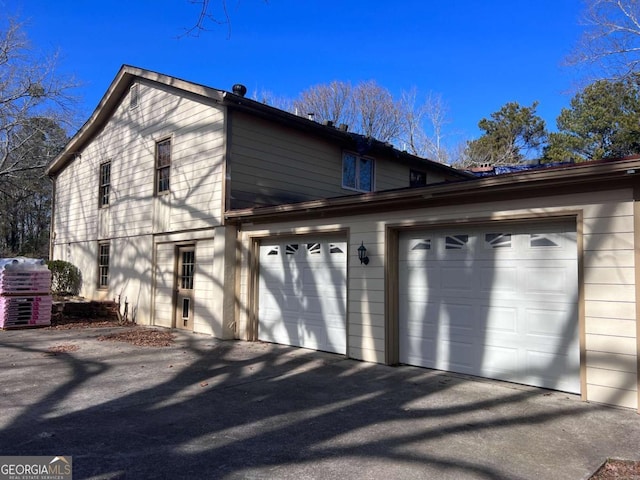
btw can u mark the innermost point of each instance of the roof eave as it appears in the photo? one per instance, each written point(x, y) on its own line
point(343, 137)
point(624, 173)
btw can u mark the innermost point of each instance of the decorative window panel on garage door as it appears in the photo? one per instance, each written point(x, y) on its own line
point(497, 301)
point(302, 298)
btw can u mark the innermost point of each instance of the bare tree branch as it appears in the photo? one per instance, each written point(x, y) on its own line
point(611, 42)
point(206, 16)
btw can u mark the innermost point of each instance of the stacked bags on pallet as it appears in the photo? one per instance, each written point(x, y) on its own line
point(25, 293)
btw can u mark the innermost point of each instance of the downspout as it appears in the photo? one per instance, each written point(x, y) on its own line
point(52, 232)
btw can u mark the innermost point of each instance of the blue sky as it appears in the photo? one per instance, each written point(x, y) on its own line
point(477, 54)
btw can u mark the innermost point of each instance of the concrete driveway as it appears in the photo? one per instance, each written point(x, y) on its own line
point(204, 408)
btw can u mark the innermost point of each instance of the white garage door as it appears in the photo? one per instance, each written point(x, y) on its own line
point(303, 290)
point(498, 302)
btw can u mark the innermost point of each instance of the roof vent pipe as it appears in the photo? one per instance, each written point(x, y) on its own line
point(343, 127)
point(240, 89)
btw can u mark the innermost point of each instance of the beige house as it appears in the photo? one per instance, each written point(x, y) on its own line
point(212, 212)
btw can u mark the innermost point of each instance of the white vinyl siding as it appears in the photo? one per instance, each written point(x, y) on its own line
point(164, 285)
point(609, 283)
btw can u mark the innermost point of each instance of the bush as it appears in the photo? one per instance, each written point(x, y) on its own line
point(66, 278)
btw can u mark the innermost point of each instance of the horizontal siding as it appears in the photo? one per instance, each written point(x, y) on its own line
point(272, 164)
point(618, 310)
point(204, 280)
point(610, 326)
point(612, 396)
point(608, 272)
point(610, 275)
point(130, 276)
point(76, 209)
point(164, 282)
point(611, 361)
point(128, 140)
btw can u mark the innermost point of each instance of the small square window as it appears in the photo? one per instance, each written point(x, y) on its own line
point(103, 265)
point(105, 184)
point(163, 166)
point(357, 172)
point(417, 178)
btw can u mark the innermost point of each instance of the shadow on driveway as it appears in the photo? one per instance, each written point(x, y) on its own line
point(204, 408)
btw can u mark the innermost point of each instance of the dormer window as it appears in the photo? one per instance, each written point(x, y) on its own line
point(357, 172)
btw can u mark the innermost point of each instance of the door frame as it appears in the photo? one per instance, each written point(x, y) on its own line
point(183, 294)
point(392, 310)
point(253, 265)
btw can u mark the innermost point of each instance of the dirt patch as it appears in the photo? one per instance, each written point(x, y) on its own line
point(618, 470)
point(70, 323)
point(131, 333)
point(142, 337)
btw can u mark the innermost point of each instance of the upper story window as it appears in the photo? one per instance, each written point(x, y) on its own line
point(163, 165)
point(105, 184)
point(133, 96)
point(357, 172)
point(417, 178)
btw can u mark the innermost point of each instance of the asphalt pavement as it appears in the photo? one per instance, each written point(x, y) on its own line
point(205, 408)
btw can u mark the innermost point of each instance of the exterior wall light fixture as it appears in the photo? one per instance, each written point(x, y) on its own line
point(362, 254)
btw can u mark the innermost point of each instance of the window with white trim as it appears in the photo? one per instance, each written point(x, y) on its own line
point(357, 172)
point(105, 184)
point(163, 166)
point(103, 265)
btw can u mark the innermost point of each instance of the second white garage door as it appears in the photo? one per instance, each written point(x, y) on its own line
point(303, 291)
point(498, 302)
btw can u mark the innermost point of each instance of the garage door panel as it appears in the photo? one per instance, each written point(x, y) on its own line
point(555, 281)
point(545, 367)
point(498, 301)
point(500, 319)
point(500, 362)
point(550, 324)
point(419, 313)
point(502, 279)
point(459, 317)
point(455, 279)
point(279, 332)
point(459, 355)
point(280, 302)
point(321, 306)
point(322, 276)
point(302, 293)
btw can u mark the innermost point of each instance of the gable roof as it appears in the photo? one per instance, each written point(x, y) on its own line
point(128, 74)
